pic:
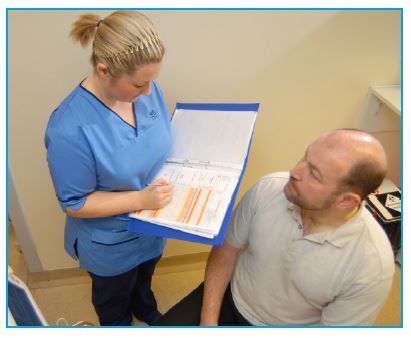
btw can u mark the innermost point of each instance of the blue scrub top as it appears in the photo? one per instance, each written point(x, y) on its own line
point(90, 148)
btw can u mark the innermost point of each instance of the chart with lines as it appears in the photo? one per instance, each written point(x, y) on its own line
point(199, 199)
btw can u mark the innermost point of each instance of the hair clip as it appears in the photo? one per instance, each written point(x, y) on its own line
point(139, 46)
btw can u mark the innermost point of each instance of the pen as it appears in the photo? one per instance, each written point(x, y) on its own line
point(155, 185)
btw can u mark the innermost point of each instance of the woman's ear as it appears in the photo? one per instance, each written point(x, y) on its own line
point(102, 71)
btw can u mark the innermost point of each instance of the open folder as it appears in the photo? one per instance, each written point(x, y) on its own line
point(206, 165)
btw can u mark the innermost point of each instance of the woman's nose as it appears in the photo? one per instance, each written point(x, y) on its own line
point(147, 89)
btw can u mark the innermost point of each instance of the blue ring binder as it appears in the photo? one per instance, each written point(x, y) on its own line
point(148, 228)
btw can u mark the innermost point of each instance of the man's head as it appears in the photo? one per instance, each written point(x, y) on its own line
point(338, 171)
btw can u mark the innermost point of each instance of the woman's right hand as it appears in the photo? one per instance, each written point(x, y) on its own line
point(156, 195)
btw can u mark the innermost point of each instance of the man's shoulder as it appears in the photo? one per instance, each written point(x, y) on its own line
point(274, 181)
point(269, 188)
point(280, 177)
point(378, 247)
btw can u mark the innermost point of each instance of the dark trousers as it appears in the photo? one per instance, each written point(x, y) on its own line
point(187, 311)
point(116, 298)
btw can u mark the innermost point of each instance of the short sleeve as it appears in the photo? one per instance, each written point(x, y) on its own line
point(358, 306)
point(72, 167)
point(239, 228)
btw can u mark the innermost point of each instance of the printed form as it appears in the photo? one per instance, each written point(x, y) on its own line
point(200, 199)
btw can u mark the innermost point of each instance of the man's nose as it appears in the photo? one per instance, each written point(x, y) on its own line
point(296, 172)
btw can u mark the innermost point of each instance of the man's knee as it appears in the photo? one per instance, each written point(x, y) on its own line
point(186, 312)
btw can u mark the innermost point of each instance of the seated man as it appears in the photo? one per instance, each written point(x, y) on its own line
point(301, 248)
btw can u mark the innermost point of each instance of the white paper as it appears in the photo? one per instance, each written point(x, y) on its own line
point(200, 199)
point(212, 136)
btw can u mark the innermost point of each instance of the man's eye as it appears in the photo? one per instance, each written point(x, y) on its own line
point(312, 173)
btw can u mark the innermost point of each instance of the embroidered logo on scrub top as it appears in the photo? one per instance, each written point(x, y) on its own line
point(153, 115)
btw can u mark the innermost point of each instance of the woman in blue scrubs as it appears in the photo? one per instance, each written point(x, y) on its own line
point(105, 143)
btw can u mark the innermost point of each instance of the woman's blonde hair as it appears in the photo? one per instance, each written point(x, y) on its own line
point(123, 41)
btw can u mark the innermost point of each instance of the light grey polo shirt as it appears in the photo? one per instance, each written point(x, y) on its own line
point(341, 277)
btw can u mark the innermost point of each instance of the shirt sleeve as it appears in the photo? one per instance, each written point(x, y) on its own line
point(358, 306)
point(72, 168)
point(239, 228)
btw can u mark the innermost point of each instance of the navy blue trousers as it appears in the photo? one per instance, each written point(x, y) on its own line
point(117, 298)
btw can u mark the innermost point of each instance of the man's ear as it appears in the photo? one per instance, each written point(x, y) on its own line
point(348, 200)
point(103, 71)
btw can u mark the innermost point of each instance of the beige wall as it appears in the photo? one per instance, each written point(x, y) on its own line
point(310, 70)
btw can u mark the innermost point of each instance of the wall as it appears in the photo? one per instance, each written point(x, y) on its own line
point(310, 70)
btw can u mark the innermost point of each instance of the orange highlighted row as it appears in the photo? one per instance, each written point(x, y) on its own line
point(203, 208)
point(188, 209)
point(189, 205)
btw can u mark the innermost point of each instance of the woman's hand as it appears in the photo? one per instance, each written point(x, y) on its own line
point(156, 195)
point(106, 204)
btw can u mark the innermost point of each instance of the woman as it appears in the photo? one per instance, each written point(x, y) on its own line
point(105, 143)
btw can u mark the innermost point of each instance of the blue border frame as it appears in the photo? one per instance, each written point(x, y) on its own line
point(208, 9)
point(401, 163)
point(219, 106)
point(400, 9)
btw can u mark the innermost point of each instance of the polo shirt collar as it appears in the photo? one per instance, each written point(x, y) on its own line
point(338, 237)
point(347, 231)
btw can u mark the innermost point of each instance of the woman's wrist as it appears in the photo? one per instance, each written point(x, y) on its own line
point(137, 200)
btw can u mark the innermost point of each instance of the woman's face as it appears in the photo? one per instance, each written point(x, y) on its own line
point(127, 88)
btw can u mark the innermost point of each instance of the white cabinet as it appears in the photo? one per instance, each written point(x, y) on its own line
point(380, 115)
point(381, 110)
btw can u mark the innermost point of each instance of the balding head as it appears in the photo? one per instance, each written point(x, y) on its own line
point(367, 157)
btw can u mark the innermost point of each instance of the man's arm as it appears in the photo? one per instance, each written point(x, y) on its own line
point(358, 306)
point(220, 267)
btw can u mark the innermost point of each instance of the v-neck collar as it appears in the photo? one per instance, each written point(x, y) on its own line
point(111, 110)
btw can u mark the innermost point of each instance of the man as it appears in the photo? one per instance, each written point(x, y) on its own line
point(301, 248)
